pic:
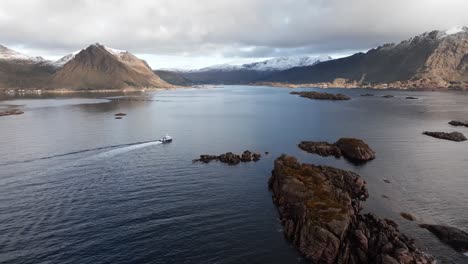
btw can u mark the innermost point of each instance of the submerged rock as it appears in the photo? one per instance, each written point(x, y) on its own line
point(367, 94)
point(454, 237)
point(355, 149)
point(230, 158)
point(11, 112)
point(322, 96)
point(321, 148)
point(120, 114)
point(458, 123)
point(453, 136)
point(411, 97)
point(351, 148)
point(118, 117)
point(408, 216)
point(388, 96)
point(320, 208)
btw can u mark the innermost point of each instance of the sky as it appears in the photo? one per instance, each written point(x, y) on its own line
point(199, 33)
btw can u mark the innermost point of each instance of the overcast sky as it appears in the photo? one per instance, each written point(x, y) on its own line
point(197, 33)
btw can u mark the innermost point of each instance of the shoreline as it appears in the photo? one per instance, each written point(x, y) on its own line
point(354, 86)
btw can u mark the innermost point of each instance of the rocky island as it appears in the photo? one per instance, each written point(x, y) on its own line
point(353, 149)
point(453, 136)
point(11, 112)
point(322, 96)
point(230, 158)
point(458, 123)
point(320, 207)
point(454, 237)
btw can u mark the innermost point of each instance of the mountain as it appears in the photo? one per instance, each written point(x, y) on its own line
point(96, 67)
point(246, 73)
point(436, 59)
point(20, 71)
point(99, 67)
point(173, 77)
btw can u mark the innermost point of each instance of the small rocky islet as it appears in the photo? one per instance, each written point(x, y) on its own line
point(454, 237)
point(119, 115)
point(230, 158)
point(322, 96)
point(353, 149)
point(320, 209)
point(458, 123)
point(453, 136)
point(11, 112)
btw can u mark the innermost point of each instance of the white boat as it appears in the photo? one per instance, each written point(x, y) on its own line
point(166, 139)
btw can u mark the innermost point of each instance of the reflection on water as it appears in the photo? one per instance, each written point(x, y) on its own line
point(79, 186)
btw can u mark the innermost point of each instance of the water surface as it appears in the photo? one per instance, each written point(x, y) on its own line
point(78, 186)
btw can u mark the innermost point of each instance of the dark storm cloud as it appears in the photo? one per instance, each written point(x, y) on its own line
point(240, 28)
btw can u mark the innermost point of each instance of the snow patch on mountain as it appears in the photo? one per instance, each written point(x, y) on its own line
point(11, 55)
point(275, 64)
point(284, 63)
point(116, 52)
point(456, 30)
point(62, 61)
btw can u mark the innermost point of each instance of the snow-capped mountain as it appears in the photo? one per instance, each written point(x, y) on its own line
point(284, 63)
point(101, 67)
point(11, 55)
point(435, 59)
point(275, 64)
point(62, 61)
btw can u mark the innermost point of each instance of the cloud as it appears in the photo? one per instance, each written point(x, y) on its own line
point(222, 28)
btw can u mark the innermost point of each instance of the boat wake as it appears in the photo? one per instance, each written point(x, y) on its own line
point(118, 151)
point(115, 150)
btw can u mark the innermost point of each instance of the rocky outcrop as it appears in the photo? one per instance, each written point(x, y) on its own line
point(454, 237)
point(230, 158)
point(458, 123)
point(11, 112)
point(353, 149)
point(322, 96)
point(319, 208)
point(453, 136)
point(411, 98)
point(388, 96)
point(408, 216)
point(321, 148)
point(120, 114)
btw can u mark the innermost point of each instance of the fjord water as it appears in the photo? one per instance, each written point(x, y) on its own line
point(78, 186)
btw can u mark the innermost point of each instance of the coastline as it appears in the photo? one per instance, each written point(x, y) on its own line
point(359, 86)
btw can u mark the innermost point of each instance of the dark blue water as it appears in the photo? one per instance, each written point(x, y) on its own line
point(78, 186)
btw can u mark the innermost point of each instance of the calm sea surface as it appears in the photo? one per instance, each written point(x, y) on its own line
point(78, 186)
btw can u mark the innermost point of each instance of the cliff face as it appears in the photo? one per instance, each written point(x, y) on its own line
point(320, 209)
point(97, 68)
point(434, 59)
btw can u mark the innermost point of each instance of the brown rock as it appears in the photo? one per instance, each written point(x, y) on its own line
point(230, 158)
point(120, 114)
point(321, 148)
point(11, 112)
point(453, 136)
point(322, 96)
point(454, 237)
point(459, 123)
point(408, 216)
point(355, 149)
point(320, 208)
